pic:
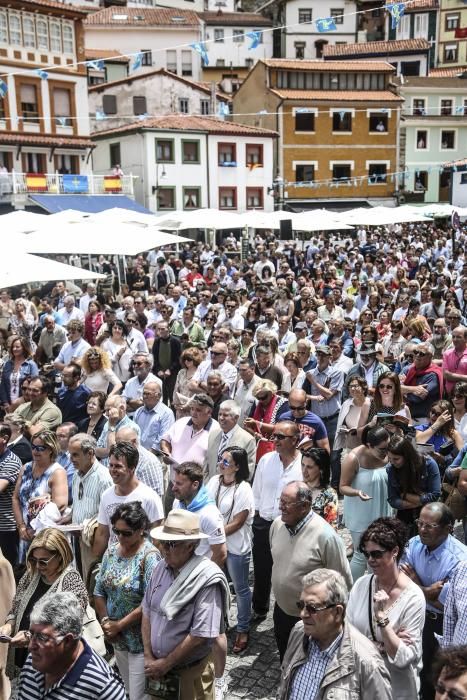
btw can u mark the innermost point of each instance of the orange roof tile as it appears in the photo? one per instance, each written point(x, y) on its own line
point(178, 122)
point(462, 161)
point(447, 72)
point(91, 54)
point(41, 140)
point(143, 17)
point(320, 65)
point(376, 47)
point(339, 95)
point(236, 19)
point(415, 5)
point(56, 5)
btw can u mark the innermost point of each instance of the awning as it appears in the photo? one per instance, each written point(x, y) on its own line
point(299, 205)
point(92, 203)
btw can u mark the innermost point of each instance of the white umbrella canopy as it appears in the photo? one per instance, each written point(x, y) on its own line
point(381, 216)
point(200, 218)
point(20, 221)
point(119, 215)
point(21, 268)
point(320, 220)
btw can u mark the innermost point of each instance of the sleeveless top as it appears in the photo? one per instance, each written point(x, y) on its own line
point(359, 514)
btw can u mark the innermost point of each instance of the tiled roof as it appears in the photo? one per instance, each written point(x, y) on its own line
point(41, 140)
point(236, 19)
point(143, 17)
point(364, 66)
point(339, 95)
point(447, 72)
point(57, 6)
point(178, 122)
point(462, 161)
point(432, 81)
point(375, 47)
point(102, 87)
point(415, 5)
point(91, 54)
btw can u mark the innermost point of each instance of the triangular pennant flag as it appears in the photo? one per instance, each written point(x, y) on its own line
point(342, 115)
point(223, 109)
point(43, 75)
point(255, 39)
point(326, 24)
point(3, 88)
point(303, 110)
point(262, 111)
point(96, 64)
point(137, 62)
point(142, 117)
point(62, 120)
point(460, 110)
point(200, 47)
point(100, 115)
point(397, 12)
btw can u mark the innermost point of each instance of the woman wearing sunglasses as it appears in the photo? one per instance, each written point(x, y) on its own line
point(387, 399)
point(120, 586)
point(41, 481)
point(388, 608)
point(49, 570)
point(234, 498)
point(97, 371)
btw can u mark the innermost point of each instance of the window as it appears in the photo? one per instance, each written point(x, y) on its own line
point(304, 173)
point(418, 107)
point(171, 61)
point(114, 152)
point(109, 104)
point(204, 106)
point(183, 105)
point(421, 26)
point(403, 28)
point(187, 66)
point(2, 108)
point(6, 160)
point(305, 16)
point(238, 36)
point(29, 103)
point(450, 53)
point(377, 173)
point(254, 154)
point(139, 104)
point(227, 154)
point(164, 151)
point(452, 22)
point(42, 31)
point(166, 198)
point(338, 14)
point(342, 121)
point(34, 163)
point(55, 38)
point(341, 171)
point(191, 197)
point(446, 107)
point(379, 123)
point(421, 181)
point(249, 62)
point(29, 33)
point(3, 27)
point(220, 62)
point(68, 43)
point(254, 198)
point(448, 140)
point(300, 47)
point(421, 139)
point(227, 197)
point(410, 68)
point(219, 35)
point(15, 29)
point(190, 151)
point(304, 121)
point(62, 106)
point(66, 164)
point(465, 107)
point(146, 58)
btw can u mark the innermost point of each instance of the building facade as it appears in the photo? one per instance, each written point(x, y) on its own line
point(408, 56)
point(420, 21)
point(452, 42)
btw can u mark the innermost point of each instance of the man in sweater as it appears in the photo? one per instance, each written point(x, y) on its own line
point(301, 541)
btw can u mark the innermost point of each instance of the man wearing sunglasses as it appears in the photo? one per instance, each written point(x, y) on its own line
point(423, 383)
point(133, 391)
point(327, 657)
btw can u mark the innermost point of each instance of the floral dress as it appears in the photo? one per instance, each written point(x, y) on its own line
point(325, 504)
point(122, 581)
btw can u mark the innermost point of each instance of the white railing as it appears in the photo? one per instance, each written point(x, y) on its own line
point(22, 184)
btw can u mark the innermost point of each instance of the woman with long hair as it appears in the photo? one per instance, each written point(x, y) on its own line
point(413, 480)
point(19, 365)
point(459, 404)
point(316, 470)
point(93, 320)
point(440, 427)
point(119, 350)
point(387, 399)
point(349, 415)
point(296, 374)
point(97, 371)
point(190, 360)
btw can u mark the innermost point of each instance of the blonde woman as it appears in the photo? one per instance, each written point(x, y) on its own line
point(97, 371)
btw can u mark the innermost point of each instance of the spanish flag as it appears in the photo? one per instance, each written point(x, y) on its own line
point(36, 182)
point(112, 183)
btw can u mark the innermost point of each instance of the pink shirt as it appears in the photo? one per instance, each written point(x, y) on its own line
point(187, 443)
point(454, 362)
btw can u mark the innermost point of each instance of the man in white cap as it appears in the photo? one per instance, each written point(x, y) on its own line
point(183, 611)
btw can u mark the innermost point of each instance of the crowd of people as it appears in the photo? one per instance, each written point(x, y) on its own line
point(293, 422)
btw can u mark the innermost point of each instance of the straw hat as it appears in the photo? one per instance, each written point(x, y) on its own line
point(179, 525)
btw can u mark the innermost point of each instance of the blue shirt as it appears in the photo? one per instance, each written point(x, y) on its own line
point(430, 484)
point(435, 565)
point(310, 425)
point(72, 403)
point(153, 423)
point(308, 677)
point(455, 609)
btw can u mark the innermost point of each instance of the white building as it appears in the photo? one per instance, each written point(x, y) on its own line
point(153, 93)
point(229, 44)
point(163, 35)
point(188, 162)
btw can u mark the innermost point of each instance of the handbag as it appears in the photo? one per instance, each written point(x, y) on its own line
point(454, 500)
point(93, 632)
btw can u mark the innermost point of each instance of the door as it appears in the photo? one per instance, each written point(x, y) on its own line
point(445, 179)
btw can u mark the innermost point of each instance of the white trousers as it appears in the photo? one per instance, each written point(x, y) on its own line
point(131, 667)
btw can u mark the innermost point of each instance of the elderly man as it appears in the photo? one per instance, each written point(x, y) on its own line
point(368, 367)
point(188, 330)
point(127, 487)
point(274, 471)
point(61, 664)
point(329, 310)
point(301, 541)
point(422, 385)
point(265, 369)
point(217, 361)
point(115, 410)
point(455, 360)
point(51, 340)
point(326, 657)
point(166, 352)
point(229, 433)
point(73, 397)
point(74, 348)
point(153, 418)
point(430, 559)
point(183, 610)
point(87, 297)
point(337, 332)
point(69, 312)
point(217, 390)
point(149, 469)
point(243, 394)
point(39, 413)
point(441, 340)
point(133, 391)
point(311, 427)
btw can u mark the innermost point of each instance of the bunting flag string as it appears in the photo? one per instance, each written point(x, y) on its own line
point(96, 64)
point(255, 39)
point(396, 11)
point(43, 75)
point(137, 62)
point(200, 47)
point(3, 88)
point(326, 24)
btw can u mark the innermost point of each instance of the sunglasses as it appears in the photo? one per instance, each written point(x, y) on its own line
point(38, 448)
point(123, 533)
point(386, 386)
point(42, 562)
point(280, 436)
point(171, 544)
point(375, 554)
point(224, 464)
point(312, 609)
point(419, 353)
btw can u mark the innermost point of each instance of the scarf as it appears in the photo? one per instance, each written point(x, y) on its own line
point(412, 374)
point(201, 499)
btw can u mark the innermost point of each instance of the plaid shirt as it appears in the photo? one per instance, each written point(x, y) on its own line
point(455, 609)
point(308, 677)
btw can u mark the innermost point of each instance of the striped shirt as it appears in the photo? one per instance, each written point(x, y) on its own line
point(90, 678)
point(308, 677)
point(455, 609)
point(149, 471)
point(90, 487)
point(10, 466)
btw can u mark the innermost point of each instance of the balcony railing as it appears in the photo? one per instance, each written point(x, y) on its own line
point(21, 185)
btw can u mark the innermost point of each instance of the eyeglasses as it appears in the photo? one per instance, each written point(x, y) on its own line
point(409, 356)
point(41, 561)
point(313, 609)
point(123, 533)
point(131, 320)
point(280, 436)
point(41, 639)
point(450, 694)
point(419, 353)
point(297, 408)
point(170, 544)
point(386, 386)
point(225, 464)
point(38, 448)
point(428, 526)
point(217, 354)
point(374, 554)
point(288, 504)
point(138, 364)
point(354, 386)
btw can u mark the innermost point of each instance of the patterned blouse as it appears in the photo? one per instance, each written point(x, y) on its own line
point(122, 581)
point(325, 504)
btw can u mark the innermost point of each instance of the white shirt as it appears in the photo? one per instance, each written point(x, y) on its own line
point(85, 301)
point(212, 524)
point(232, 500)
point(150, 501)
point(270, 479)
point(72, 350)
point(134, 387)
point(64, 318)
point(228, 371)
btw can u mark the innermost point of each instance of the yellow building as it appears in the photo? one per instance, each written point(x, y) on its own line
point(452, 43)
point(338, 125)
